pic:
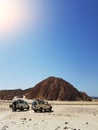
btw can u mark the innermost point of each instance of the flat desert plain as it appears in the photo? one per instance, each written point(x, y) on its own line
point(65, 116)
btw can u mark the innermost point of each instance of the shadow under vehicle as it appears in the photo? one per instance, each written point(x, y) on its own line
point(19, 105)
point(39, 105)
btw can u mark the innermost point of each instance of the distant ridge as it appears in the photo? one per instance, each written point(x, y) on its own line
point(52, 88)
point(9, 94)
point(94, 97)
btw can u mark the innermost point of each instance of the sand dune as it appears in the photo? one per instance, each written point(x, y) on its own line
point(65, 116)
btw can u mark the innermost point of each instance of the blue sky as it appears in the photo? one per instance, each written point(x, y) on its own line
point(40, 38)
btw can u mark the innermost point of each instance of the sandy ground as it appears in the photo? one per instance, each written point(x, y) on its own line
point(65, 116)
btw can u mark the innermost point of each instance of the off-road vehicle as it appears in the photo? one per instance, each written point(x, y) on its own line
point(41, 105)
point(19, 105)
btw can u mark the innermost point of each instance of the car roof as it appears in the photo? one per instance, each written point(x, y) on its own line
point(18, 100)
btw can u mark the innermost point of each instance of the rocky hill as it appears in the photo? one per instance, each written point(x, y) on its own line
point(54, 88)
point(51, 88)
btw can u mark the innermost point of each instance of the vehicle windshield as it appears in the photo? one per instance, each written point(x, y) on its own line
point(21, 101)
point(34, 103)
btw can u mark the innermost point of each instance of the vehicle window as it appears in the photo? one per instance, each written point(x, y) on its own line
point(41, 102)
point(25, 102)
point(21, 101)
point(34, 103)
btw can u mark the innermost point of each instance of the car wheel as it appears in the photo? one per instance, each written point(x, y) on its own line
point(45, 110)
point(50, 109)
point(28, 108)
point(41, 109)
point(35, 110)
point(21, 109)
point(13, 109)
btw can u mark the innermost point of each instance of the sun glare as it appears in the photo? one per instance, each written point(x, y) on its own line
point(12, 15)
point(17, 14)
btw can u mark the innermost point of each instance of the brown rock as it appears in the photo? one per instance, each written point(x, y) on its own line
point(54, 88)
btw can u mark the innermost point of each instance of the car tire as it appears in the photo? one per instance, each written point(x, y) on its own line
point(45, 110)
point(21, 109)
point(35, 110)
point(28, 108)
point(50, 109)
point(41, 109)
point(13, 109)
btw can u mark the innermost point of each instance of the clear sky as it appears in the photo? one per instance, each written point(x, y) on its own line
point(42, 38)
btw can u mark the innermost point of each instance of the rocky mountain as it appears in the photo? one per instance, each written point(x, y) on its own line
point(54, 88)
point(51, 88)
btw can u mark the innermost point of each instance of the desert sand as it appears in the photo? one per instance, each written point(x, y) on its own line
point(65, 116)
